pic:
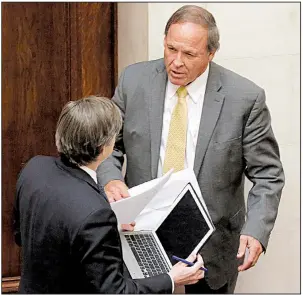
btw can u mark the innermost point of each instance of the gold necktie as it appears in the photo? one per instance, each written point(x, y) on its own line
point(176, 140)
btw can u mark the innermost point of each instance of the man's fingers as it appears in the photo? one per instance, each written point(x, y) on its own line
point(113, 193)
point(242, 246)
point(246, 265)
point(250, 262)
point(117, 197)
point(123, 189)
point(110, 199)
point(180, 263)
point(192, 257)
point(110, 196)
point(127, 227)
point(201, 275)
point(199, 262)
point(124, 193)
point(183, 274)
point(113, 196)
point(117, 193)
point(200, 259)
point(255, 250)
point(116, 190)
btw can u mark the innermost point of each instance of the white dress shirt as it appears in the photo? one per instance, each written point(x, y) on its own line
point(90, 172)
point(194, 98)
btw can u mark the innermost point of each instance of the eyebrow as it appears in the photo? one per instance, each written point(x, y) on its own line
point(186, 51)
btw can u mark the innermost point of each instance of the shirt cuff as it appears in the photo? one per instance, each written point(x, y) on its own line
point(172, 283)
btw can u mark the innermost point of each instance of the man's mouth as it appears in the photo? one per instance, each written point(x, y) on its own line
point(175, 73)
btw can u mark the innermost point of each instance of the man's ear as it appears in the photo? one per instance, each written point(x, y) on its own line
point(101, 150)
point(211, 55)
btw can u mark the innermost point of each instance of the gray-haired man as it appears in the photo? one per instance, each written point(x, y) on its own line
point(187, 109)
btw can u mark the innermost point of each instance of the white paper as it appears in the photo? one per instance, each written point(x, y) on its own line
point(129, 208)
point(152, 214)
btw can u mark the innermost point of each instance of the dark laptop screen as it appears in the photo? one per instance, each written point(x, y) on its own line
point(183, 229)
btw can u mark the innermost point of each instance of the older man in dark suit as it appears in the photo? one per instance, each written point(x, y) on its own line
point(187, 112)
point(63, 220)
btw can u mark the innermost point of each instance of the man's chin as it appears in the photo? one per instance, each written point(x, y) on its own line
point(177, 81)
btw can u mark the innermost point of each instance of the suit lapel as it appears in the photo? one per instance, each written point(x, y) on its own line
point(156, 109)
point(213, 101)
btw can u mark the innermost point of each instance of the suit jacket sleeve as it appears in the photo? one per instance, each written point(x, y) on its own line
point(111, 168)
point(97, 248)
point(264, 170)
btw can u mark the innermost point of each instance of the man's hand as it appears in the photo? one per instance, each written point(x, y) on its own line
point(128, 227)
point(255, 249)
point(116, 190)
point(187, 275)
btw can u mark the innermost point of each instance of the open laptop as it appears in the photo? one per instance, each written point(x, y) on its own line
point(185, 228)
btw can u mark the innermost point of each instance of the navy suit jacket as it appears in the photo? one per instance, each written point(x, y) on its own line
point(68, 234)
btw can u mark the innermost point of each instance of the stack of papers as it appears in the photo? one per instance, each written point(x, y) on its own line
point(128, 209)
point(150, 201)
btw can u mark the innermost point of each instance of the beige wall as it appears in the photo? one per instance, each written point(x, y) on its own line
point(261, 42)
point(132, 33)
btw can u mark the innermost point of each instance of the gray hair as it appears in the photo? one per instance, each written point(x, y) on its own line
point(85, 127)
point(197, 15)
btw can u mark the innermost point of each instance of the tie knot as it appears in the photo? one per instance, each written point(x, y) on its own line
point(182, 92)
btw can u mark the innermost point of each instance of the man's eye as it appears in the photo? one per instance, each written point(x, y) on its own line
point(171, 49)
point(189, 54)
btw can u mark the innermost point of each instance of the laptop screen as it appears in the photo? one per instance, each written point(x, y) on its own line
point(183, 229)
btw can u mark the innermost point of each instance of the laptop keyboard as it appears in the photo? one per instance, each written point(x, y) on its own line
point(148, 254)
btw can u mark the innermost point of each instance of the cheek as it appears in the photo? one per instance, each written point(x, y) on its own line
point(191, 68)
point(169, 61)
point(196, 68)
point(169, 58)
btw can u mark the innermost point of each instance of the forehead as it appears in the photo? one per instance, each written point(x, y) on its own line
point(187, 35)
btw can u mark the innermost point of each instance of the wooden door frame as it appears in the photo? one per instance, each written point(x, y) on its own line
point(10, 284)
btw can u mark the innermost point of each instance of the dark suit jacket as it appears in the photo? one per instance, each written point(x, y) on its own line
point(235, 139)
point(68, 233)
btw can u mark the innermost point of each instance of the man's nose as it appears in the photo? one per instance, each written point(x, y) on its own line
point(178, 62)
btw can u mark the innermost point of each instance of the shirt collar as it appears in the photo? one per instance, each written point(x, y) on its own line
point(171, 89)
point(194, 89)
point(90, 172)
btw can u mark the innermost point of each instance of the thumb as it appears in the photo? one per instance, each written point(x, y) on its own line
point(200, 260)
point(242, 246)
point(199, 263)
point(192, 257)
